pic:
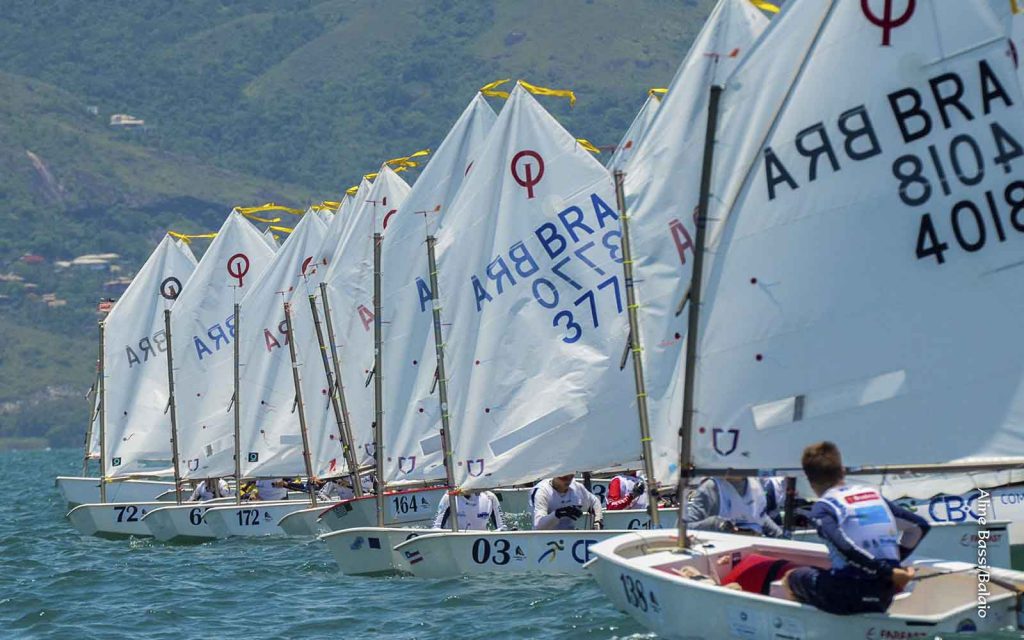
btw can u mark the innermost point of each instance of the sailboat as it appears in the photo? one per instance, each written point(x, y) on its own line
point(845, 210)
point(636, 131)
point(264, 364)
point(530, 281)
point(351, 282)
point(131, 390)
point(410, 394)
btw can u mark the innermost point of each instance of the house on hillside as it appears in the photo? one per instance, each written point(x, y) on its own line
point(126, 121)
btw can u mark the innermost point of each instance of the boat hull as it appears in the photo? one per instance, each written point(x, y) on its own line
point(82, 490)
point(370, 551)
point(115, 520)
point(630, 571)
point(182, 522)
point(415, 507)
point(304, 522)
point(630, 519)
point(448, 554)
point(250, 519)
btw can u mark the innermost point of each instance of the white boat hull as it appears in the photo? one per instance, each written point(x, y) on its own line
point(80, 490)
point(639, 519)
point(632, 570)
point(448, 554)
point(182, 522)
point(305, 522)
point(416, 507)
point(370, 551)
point(112, 519)
point(250, 519)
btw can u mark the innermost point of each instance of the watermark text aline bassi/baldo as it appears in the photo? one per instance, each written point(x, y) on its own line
point(984, 501)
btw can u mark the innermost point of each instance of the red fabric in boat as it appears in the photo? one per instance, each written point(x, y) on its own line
point(754, 571)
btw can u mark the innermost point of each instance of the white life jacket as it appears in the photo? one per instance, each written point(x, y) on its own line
point(626, 484)
point(576, 496)
point(474, 512)
point(266, 490)
point(745, 511)
point(866, 521)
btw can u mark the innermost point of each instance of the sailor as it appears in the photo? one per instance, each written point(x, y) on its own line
point(731, 504)
point(477, 511)
point(627, 491)
point(560, 501)
point(209, 489)
point(271, 489)
point(336, 489)
point(867, 538)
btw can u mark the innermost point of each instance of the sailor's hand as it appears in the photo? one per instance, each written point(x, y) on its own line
point(724, 525)
point(638, 489)
point(902, 577)
point(572, 512)
point(599, 524)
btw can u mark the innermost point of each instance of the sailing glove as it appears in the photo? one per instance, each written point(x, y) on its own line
point(573, 512)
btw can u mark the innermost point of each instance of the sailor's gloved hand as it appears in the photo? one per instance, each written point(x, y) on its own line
point(724, 525)
point(599, 524)
point(638, 489)
point(572, 512)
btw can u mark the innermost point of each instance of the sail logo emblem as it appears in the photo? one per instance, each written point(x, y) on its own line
point(734, 433)
point(470, 464)
point(387, 216)
point(306, 271)
point(238, 266)
point(193, 464)
point(402, 463)
point(523, 170)
point(886, 22)
point(370, 449)
point(116, 462)
point(254, 456)
point(170, 288)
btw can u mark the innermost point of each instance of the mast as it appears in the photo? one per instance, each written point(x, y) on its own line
point(171, 406)
point(378, 389)
point(350, 454)
point(634, 345)
point(442, 387)
point(346, 443)
point(298, 403)
point(238, 423)
point(103, 414)
point(685, 432)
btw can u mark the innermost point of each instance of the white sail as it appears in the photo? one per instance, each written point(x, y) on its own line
point(270, 436)
point(864, 281)
point(661, 187)
point(641, 123)
point(268, 236)
point(135, 365)
point(349, 277)
point(411, 436)
point(530, 282)
point(202, 327)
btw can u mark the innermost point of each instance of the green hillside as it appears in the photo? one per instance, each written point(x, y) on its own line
point(245, 102)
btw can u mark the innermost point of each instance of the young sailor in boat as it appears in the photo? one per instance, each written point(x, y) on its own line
point(477, 511)
point(731, 504)
point(341, 488)
point(560, 501)
point(271, 490)
point(627, 491)
point(867, 538)
point(209, 489)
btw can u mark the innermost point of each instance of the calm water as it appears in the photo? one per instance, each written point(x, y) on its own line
point(55, 583)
